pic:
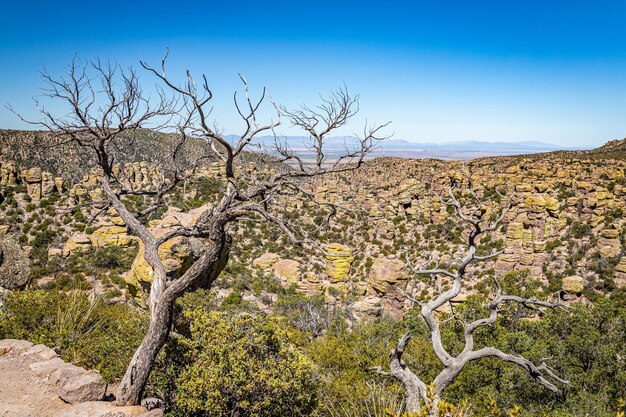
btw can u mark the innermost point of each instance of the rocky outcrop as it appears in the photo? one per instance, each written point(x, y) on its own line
point(573, 284)
point(338, 262)
point(266, 261)
point(386, 272)
point(78, 242)
point(8, 173)
point(38, 183)
point(288, 271)
point(111, 236)
point(566, 209)
point(14, 264)
point(367, 309)
point(176, 254)
point(87, 386)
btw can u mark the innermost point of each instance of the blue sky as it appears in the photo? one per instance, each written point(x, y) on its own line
point(439, 70)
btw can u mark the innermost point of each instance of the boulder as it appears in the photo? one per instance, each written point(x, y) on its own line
point(573, 284)
point(47, 184)
point(535, 202)
point(87, 386)
point(32, 178)
point(58, 183)
point(338, 261)
point(7, 345)
point(287, 270)
point(515, 231)
point(152, 403)
point(76, 243)
point(31, 175)
point(14, 264)
point(386, 272)
point(552, 204)
point(55, 252)
point(609, 248)
point(41, 351)
point(8, 174)
point(367, 309)
point(65, 372)
point(610, 233)
point(175, 255)
point(266, 261)
point(46, 368)
point(110, 236)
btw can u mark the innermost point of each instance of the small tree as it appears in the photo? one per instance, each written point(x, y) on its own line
point(106, 107)
point(424, 398)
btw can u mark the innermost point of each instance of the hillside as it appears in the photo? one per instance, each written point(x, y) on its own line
point(315, 319)
point(566, 225)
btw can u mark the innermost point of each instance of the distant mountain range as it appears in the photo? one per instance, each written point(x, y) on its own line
point(458, 150)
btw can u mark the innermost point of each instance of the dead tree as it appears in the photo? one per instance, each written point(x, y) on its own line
point(106, 105)
point(418, 396)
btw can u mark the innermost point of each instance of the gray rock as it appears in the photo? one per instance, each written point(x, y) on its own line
point(88, 386)
point(14, 268)
point(41, 351)
point(65, 372)
point(8, 345)
point(46, 368)
point(152, 402)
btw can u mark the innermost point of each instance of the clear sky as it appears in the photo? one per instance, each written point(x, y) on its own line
point(553, 71)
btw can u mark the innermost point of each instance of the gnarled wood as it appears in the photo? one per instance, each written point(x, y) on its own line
point(453, 365)
point(105, 102)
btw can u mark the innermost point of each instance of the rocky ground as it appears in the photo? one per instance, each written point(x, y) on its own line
point(35, 382)
point(566, 230)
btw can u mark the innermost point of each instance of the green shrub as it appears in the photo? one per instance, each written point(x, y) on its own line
point(246, 365)
point(89, 334)
point(113, 258)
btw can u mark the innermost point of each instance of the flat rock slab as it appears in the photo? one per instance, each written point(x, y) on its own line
point(100, 409)
point(157, 412)
point(65, 372)
point(45, 368)
point(7, 345)
point(87, 386)
point(41, 352)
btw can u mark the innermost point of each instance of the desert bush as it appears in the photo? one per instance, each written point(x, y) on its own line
point(113, 258)
point(243, 365)
point(88, 333)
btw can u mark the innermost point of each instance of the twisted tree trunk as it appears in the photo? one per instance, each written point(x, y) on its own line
point(204, 271)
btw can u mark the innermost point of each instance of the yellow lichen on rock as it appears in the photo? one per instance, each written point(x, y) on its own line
point(288, 271)
point(76, 243)
point(266, 261)
point(573, 284)
point(174, 253)
point(110, 236)
point(338, 261)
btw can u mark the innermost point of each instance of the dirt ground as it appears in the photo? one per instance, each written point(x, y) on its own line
point(22, 392)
